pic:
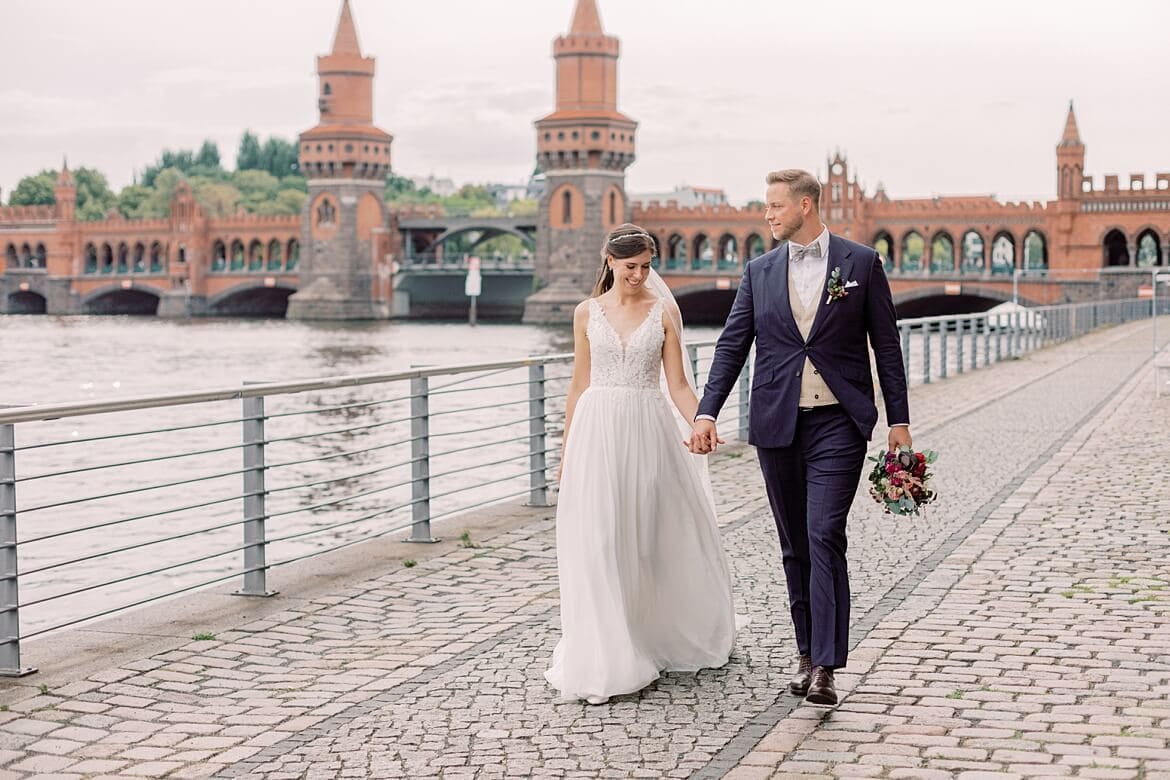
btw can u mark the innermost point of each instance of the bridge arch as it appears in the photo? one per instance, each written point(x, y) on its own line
point(26, 302)
point(1115, 248)
point(883, 243)
point(1003, 253)
point(13, 259)
point(942, 253)
point(705, 302)
point(486, 231)
point(973, 257)
point(1149, 248)
point(1035, 250)
point(251, 299)
point(913, 248)
point(139, 299)
point(932, 300)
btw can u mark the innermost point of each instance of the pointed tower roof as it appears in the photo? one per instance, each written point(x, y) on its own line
point(1071, 136)
point(346, 41)
point(65, 178)
point(586, 19)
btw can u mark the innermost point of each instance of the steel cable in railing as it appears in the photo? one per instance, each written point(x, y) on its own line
point(139, 603)
point(124, 520)
point(335, 501)
point(148, 488)
point(342, 454)
point(478, 388)
point(338, 408)
point(508, 424)
point(467, 410)
point(128, 577)
point(135, 546)
point(336, 431)
point(478, 446)
point(108, 436)
point(345, 478)
point(136, 462)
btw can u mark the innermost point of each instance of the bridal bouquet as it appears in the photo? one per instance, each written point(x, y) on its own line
point(901, 480)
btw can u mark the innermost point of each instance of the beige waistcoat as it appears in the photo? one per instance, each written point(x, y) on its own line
point(813, 390)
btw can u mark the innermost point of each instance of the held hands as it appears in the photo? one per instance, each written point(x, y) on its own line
point(704, 440)
point(900, 438)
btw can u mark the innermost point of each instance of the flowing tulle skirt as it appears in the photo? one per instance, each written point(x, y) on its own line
point(644, 581)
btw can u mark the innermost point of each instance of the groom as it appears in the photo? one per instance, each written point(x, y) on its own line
point(810, 305)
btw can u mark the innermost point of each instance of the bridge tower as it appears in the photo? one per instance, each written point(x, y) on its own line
point(346, 159)
point(1070, 168)
point(584, 148)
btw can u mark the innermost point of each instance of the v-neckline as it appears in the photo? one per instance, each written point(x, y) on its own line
point(634, 332)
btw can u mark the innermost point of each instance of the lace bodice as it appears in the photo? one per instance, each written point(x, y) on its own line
point(636, 364)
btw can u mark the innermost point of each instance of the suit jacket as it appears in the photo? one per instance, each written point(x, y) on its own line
point(837, 345)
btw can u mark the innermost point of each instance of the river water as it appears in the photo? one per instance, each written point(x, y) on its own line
point(120, 508)
point(349, 448)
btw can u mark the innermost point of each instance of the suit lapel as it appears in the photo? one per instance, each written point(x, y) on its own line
point(839, 257)
point(777, 284)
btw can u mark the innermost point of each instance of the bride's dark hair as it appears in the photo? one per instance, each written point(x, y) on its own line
point(623, 241)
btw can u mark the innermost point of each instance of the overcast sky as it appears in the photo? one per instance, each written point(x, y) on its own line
point(928, 97)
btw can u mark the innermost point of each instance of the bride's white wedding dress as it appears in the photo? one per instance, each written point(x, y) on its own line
point(644, 582)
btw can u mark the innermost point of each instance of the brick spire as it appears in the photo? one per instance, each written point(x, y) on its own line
point(1071, 136)
point(345, 42)
point(586, 19)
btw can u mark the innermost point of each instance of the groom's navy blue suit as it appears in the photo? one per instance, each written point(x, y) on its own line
point(812, 459)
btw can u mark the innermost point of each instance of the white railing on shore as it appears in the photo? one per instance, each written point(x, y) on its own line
point(124, 502)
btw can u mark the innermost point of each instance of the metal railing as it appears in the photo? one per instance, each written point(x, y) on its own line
point(125, 502)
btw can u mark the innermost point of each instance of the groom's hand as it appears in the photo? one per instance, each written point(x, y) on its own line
point(900, 438)
point(704, 438)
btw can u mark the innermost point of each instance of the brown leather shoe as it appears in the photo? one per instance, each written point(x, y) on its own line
point(798, 686)
point(822, 689)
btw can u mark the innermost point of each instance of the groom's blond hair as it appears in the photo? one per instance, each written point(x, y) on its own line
point(800, 183)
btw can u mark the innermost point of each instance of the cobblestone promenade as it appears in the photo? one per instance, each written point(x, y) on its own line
point(1021, 629)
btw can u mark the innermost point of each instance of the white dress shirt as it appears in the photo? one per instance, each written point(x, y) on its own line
point(808, 273)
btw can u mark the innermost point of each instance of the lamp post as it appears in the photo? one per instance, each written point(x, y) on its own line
point(1156, 276)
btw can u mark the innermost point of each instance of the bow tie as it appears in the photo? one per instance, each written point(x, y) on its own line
point(798, 253)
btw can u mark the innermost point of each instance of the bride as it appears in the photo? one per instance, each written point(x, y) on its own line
point(645, 586)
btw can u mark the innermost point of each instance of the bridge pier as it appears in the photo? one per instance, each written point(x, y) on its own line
point(178, 304)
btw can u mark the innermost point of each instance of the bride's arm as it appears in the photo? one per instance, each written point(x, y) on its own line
point(681, 392)
point(580, 380)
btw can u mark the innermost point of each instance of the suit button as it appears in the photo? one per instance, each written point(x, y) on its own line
point(816, 395)
point(798, 373)
point(818, 373)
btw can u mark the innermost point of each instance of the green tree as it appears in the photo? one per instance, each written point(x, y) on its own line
point(131, 198)
point(526, 207)
point(208, 156)
point(35, 190)
point(294, 182)
point(256, 187)
point(250, 156)
point(157, 204)
point(218, 198)
point(280, 157)
point(95, 199)
point(286, 203)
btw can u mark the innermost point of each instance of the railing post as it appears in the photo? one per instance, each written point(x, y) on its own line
point(693, 354)
point(944, 335)
point(537, 477)
point(986, 340)
point(926, 353)
point(255, 501)
point(905, 329)
point(745, 394)
point(998, 338)
point(9, 576)
point(960, 334)
point(1016, 340)
point(420, 461)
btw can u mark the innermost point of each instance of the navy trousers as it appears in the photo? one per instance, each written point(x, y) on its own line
point(811, 485)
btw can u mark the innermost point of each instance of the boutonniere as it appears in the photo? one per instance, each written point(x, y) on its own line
point(835, 288)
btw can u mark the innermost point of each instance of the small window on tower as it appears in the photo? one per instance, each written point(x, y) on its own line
point(595, 135)
point(567, 207)
point(326, 90)
point(613, 208)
